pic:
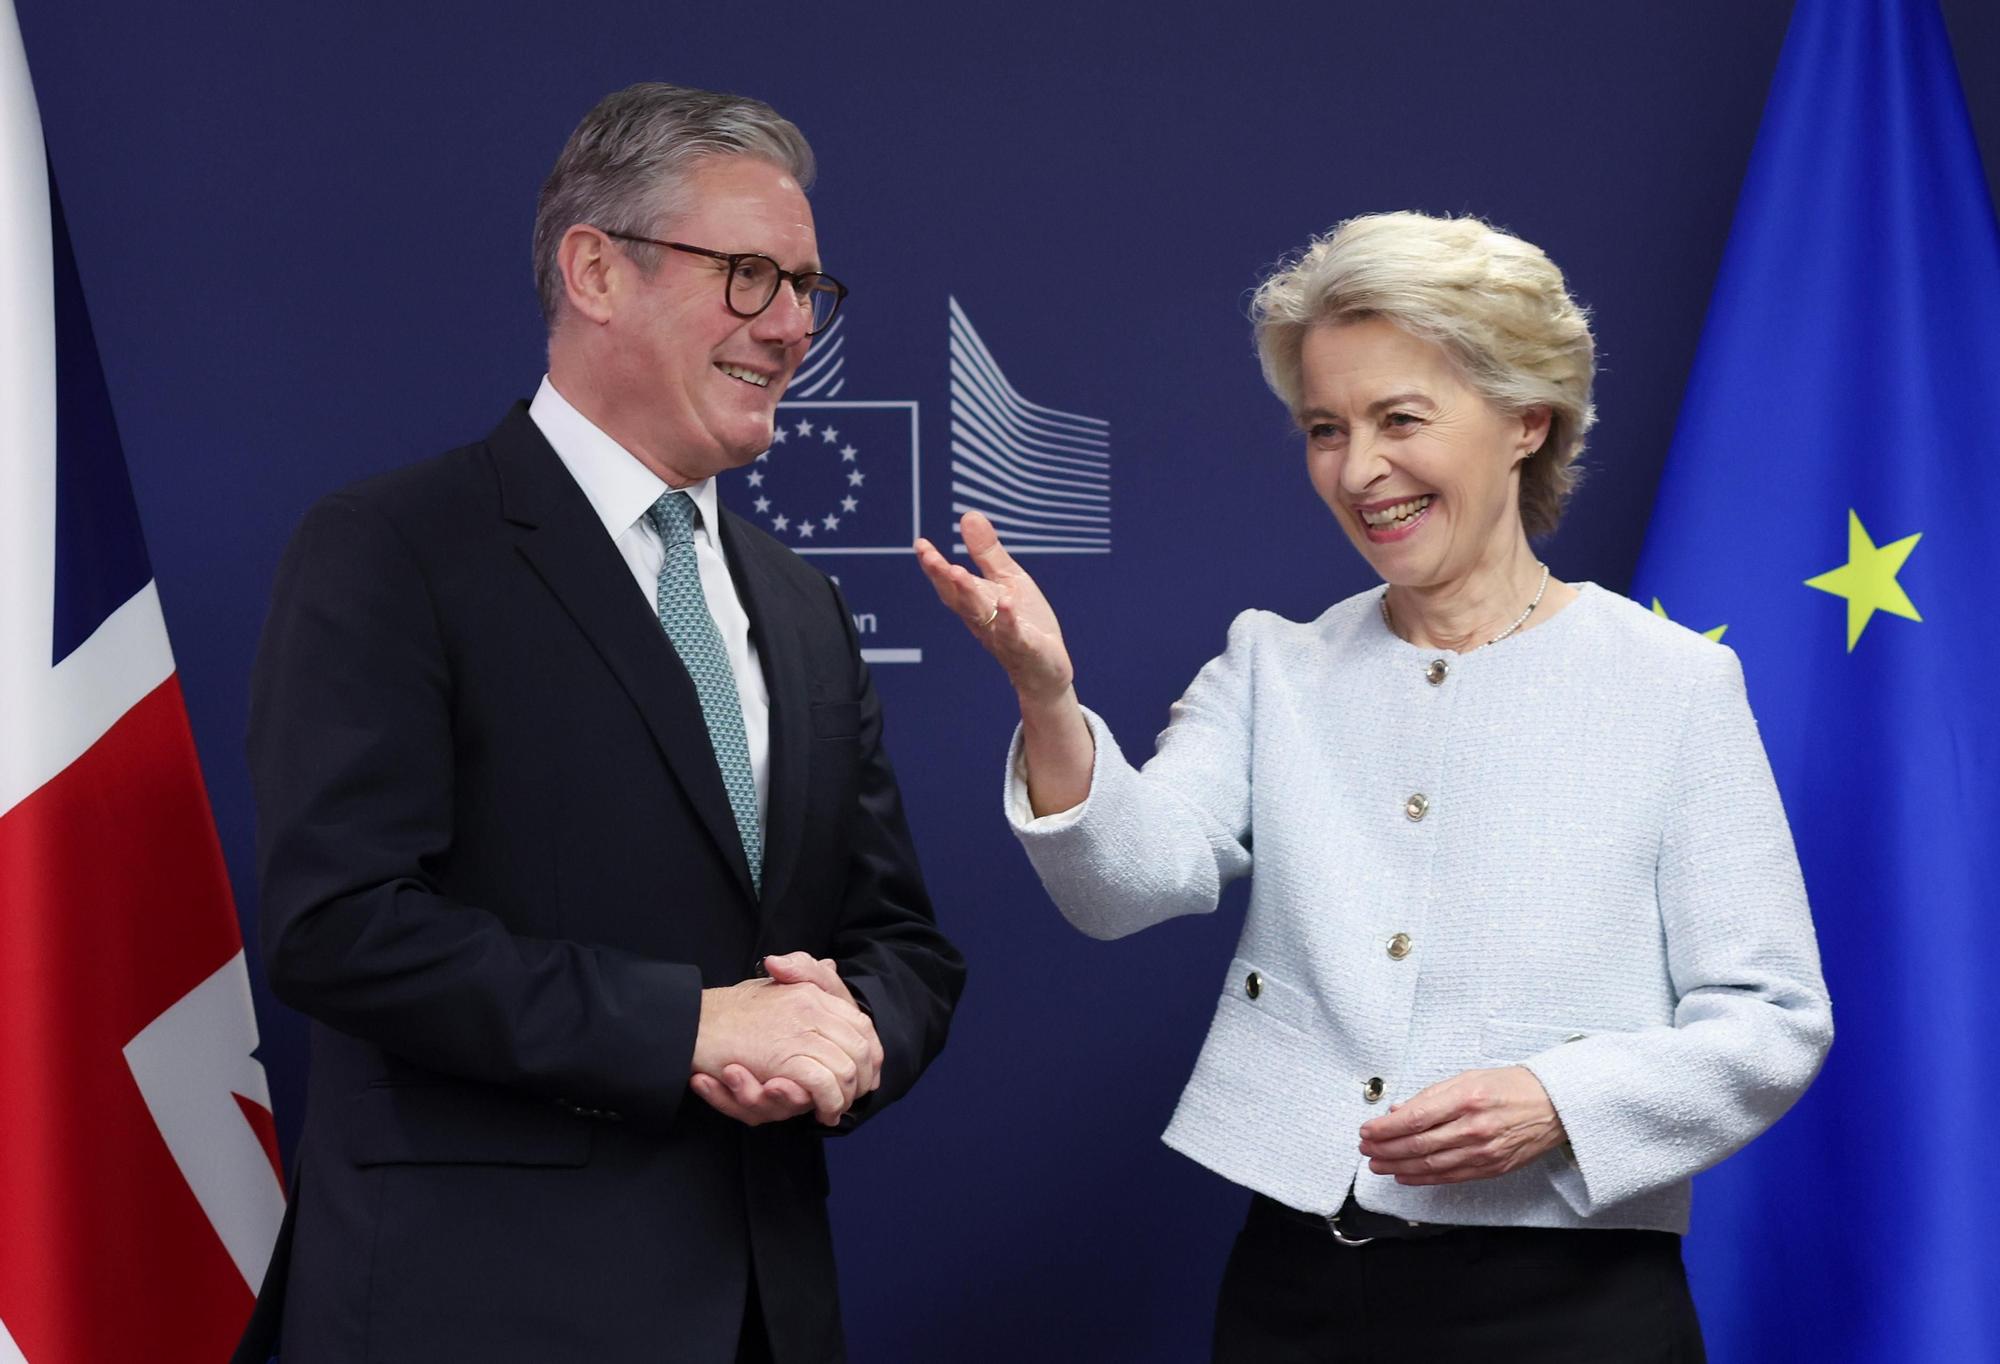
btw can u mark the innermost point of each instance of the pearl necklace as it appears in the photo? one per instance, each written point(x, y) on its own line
point(1519, 620)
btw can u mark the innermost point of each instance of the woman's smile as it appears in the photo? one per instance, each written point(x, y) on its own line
point(1386, 522)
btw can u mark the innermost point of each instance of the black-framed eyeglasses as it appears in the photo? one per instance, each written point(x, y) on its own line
point(752, 281)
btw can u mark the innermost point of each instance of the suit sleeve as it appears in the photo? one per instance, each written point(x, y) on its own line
point(351, 749)
point(1150, 844)
point(887, 944)
point(1649, 1108)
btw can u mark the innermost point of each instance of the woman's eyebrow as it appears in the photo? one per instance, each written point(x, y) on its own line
point(1375, 408)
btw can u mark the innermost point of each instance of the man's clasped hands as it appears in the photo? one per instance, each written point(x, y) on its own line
point(791, 1042)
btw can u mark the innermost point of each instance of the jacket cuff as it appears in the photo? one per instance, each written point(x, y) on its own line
point(1021, 816)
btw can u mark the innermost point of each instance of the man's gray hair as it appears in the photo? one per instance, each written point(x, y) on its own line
point(625, 167)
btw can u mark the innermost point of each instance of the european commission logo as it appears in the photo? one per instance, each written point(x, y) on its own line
point(1042, 477)
point(842, 474)
point(841, 477)
point(844, 477)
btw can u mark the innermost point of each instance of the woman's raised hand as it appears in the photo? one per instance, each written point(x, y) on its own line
point(1004, 609)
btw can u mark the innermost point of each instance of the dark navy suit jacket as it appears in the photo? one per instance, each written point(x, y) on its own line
point(498, 866)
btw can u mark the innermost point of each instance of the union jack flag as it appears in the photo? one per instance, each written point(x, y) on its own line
point(140, 1191)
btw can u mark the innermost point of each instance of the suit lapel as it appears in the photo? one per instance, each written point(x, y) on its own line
point(780, 651)
point(564, 542)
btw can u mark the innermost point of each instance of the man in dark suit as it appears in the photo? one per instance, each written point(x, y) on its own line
point(578, 841)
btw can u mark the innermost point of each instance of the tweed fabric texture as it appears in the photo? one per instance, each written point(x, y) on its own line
point(1599, 884)
point(684, 616)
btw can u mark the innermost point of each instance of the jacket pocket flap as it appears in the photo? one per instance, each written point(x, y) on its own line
point(460, 1125)
point(835, 719)
point(1510, 1042)
point(1255, 988)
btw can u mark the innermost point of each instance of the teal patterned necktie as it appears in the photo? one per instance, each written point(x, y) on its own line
point(684, 615)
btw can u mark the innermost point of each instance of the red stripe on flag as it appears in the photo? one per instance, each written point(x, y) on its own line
point(265, 1125)
point(114, 903)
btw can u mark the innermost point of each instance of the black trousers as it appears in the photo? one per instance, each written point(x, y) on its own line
point(753, 1346)
point(1486, 1295)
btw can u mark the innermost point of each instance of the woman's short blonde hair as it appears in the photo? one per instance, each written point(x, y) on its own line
point(1494, 303)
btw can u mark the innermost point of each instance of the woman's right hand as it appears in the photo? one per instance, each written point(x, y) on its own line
point(1008, 614)
point(1004, 610)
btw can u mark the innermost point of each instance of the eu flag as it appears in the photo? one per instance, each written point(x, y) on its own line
point(840, 478)
point(1832, 503)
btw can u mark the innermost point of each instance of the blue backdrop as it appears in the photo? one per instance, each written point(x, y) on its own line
point(303, 232)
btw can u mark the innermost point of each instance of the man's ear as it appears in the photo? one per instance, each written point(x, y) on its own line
point(589, 271)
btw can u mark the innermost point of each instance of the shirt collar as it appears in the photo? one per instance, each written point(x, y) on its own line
point(621, 490)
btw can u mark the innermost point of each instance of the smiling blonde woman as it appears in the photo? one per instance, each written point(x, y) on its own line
point(1527, 944)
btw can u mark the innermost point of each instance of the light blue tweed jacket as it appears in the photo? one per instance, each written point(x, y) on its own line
point(1598, 883)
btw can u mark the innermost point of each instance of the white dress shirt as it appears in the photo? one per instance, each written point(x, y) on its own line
point(621, 491)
